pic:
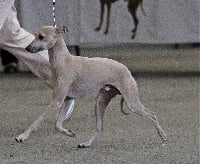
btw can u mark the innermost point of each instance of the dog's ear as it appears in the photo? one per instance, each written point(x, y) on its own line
point(61, 29)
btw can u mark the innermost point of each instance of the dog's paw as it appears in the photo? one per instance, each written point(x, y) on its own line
point(70, 133)
point(97, 29)
point(67, 132)
point(163, 136)
point(105, 32)
point(83, 145)
point(21, 138)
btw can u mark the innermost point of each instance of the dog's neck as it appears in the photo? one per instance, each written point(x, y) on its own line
point(58, 54)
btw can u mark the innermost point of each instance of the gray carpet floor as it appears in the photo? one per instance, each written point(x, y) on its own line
point(168, 83)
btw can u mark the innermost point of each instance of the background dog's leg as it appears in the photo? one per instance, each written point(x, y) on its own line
point(108, 18)
point(135, 21)
point(132, 8)
point(103, 99)
point(63, 115)
point(101, 16)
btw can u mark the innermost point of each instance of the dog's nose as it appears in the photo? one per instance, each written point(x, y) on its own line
point(28, 48)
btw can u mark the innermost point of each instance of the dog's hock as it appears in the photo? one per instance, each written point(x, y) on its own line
point(61, 29)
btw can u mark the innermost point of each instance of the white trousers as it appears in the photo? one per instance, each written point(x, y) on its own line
point(15, 39)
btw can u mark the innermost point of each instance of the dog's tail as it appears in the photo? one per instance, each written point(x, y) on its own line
point(122, 107)
point(141, 5)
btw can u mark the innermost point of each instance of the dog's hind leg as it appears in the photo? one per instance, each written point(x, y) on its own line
point(64, 114)
point(130, 94)
point(141, 110)
point(103, 99)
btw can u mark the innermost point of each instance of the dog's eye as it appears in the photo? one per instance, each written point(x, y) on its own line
point(40, 37)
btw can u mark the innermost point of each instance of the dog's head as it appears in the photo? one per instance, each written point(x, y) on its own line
point(46, 38)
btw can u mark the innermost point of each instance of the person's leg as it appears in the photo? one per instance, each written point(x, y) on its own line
point(8, 61)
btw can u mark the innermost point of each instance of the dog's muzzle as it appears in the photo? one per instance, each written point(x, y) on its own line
point(33, 49)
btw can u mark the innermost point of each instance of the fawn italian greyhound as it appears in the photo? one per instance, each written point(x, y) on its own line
point(76, 76)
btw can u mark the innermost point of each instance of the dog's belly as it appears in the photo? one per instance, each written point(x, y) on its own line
point(77, 91)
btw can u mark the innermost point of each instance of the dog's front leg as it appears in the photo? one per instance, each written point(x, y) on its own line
point(53, 106)
point(64, 114)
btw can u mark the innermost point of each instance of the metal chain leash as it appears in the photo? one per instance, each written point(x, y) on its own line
point(70, 105)
point(54, 16)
